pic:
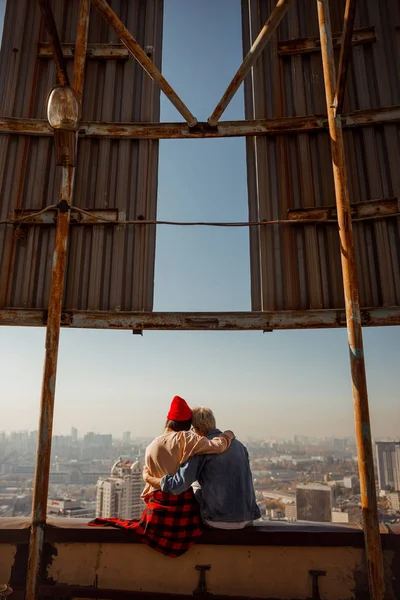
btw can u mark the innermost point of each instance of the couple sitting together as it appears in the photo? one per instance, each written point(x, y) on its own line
point(192, 452)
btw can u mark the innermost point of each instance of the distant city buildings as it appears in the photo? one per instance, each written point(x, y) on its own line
point(118, 496)
point(352, 515)
point(96, 445)
point(126, 437)
point(65, 507)
point(81, 483)
point(301, 439)
point(77, 464)
point(314, 503)
point(291, 511)
point(340, 444)
point(388, 465)
point(394, 501)
point(350, 482)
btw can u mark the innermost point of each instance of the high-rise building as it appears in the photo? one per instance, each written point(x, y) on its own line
point(96, 445)
point(350, 482)
point(93, 440)
point(290, 511)
point(340, 444)
point(388, 464)
point(119, 494)
point(314, 502)
point(126, 437)
point(394, 501)
point(74, 434)
point(301, 439)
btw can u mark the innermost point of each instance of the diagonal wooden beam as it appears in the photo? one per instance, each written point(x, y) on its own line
point(140, 55)
point(263, 37)
point(345, 54)
point(81, 47)
point(51, 30)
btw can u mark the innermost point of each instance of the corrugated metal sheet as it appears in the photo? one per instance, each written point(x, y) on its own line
point(109, 267)
point(298, 267)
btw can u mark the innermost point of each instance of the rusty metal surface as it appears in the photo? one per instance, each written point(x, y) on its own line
point(373, 549)
point(345, 54)
point(365, 35)
point(363, 210)
point(82, 34)
point(55, 45)
point(251, 57)
point(218, 321)
point(95, 51)
point(43, 454)
point(143, 59)
point(250, 127)
point(301, 269)
point(58, 278)
point(36, 540)
point(106, 215)
point(109, 268)
point(50, 370)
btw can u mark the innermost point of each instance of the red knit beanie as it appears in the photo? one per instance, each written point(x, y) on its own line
point(179, 410)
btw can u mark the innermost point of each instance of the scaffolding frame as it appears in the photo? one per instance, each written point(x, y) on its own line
point(353, 317)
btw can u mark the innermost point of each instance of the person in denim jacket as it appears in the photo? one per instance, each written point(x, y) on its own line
point(225, 484)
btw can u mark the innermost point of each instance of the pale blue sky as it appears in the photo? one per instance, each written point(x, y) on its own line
point(275, 384)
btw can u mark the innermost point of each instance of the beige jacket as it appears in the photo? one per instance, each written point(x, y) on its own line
point(169, 450)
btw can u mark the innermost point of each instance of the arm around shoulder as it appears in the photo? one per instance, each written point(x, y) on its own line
point(216, 445)
point(183, 479)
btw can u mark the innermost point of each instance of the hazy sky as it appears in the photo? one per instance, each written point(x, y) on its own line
point(260, 385)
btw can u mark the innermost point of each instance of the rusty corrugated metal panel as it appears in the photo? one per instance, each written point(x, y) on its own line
point(299, 268)
point(109, 267)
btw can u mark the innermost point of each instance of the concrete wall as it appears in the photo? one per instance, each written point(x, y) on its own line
point(7, 557)
point(264, 570)
point(267, 572)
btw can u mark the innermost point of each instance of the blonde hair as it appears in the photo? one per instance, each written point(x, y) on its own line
point(203, 419)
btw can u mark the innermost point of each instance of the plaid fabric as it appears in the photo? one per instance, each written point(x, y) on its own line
point(169, 524)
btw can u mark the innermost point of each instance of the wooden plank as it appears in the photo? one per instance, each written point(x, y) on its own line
point(365, 35)
point(94, 51)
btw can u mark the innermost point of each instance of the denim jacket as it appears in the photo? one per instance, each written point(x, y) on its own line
point(227, 493)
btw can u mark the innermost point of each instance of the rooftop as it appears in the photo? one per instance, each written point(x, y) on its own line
point(108, 563)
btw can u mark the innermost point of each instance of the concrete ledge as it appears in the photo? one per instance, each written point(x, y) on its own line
point(71, 531)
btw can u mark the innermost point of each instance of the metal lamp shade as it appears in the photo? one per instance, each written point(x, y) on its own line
point(63, 108)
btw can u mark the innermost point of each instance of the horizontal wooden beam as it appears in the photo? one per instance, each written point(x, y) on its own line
point(361, 211)
point(94, 51)
point(372, 209)
point(91, 216)
point(202, 321)
point(365, 35)
point(224, 129)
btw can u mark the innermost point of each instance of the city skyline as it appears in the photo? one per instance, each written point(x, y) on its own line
point(259, 385)
point(95, 474)
point(129, 439)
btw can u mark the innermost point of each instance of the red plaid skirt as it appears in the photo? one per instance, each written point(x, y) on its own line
point(169, 524)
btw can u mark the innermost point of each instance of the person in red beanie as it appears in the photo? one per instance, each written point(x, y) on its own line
point(170, 523)
point(176, 445)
